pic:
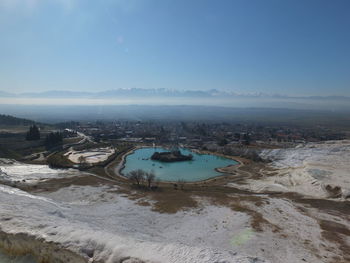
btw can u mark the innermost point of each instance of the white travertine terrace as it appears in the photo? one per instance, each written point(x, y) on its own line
point(319, 170)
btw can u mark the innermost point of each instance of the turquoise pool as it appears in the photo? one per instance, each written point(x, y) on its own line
point(202, 166)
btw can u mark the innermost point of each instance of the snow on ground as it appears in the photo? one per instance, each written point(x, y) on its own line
point(201, 227)
point(300, 236)
point(97, 218)
point(90, 156)
point(12, 172)
point(315, 169)
point(114, 227)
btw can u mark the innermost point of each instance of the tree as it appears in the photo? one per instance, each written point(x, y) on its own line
point(150, 177)
point(181, 183)
point(53, 139)
point(137, 176)
point(157, 182)
point(10, 120)
point(33, 133)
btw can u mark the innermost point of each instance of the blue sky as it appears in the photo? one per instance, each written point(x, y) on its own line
point(296, 47)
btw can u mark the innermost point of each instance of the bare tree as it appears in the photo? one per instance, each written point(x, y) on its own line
point(137, 176)
point(181, 183)
point(157, 182)
point(150, 177)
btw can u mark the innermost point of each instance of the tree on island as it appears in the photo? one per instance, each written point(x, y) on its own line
point(172, 156)
point(33, 134)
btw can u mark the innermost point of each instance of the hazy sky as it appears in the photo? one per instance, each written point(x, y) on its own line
point(293, 47)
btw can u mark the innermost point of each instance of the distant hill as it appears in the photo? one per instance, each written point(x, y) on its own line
point(162, 93)
point(10, 120)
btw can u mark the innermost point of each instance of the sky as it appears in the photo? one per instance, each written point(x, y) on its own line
point(289, 47)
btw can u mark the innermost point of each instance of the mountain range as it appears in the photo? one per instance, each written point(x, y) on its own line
point(137, 92)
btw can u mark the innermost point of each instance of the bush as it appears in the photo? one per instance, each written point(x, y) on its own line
point(59, 161)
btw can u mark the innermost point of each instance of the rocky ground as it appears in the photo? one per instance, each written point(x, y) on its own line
point(319, 170)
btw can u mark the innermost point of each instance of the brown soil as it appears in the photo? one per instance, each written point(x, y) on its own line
point(171, 200)
point(336, 233)
point(58, 183)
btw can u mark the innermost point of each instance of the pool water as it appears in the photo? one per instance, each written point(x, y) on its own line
point(201, 167)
